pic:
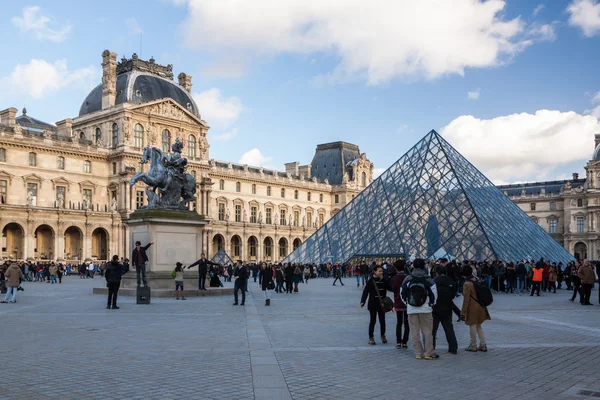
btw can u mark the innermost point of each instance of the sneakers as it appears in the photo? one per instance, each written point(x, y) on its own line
point(404, 346)
point(419, 357)
point(432, 357)
point(4, 302)
point(482, 347)
point(372, 341)
point(471, 347)
point(383, 339)
point(398, 345)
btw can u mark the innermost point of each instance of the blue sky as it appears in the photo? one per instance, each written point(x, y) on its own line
point(511, 84)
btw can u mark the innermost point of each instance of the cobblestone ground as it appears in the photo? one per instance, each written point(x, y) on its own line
point(60, 343)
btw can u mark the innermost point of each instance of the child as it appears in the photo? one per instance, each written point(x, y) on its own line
point(179, 281)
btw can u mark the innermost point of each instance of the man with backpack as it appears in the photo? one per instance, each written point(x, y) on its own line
point(419, 294)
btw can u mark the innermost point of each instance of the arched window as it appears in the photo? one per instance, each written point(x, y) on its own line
point(221, 184)
point(81, 135)
point(191, 146)
point(252, 246)
point(138, 136)
point(235, 244)
point(166, 140)
point(194, 174)
point(238, 187)
point(32, 160)
point(364, 179)
point(98, 136)
point(268, 190)
point(115, 134)
point(282, 247)
point(60, 162)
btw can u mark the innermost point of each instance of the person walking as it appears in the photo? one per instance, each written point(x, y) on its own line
point(240, 274)
point(138, 260)
point(576, 282)
point(337, 272)
point(59, 273)
point(375, 289)
point(473, 312)
point(587, 277)
point(538, 276)
point(202, 264)
point(13, 277)
point(279, 279)
point(52, 269)
point(399, 306)
point(179, 281)
point(420, 294)
point(267, 283)
point(289, 277)
point(113, 274)
point(442, 310)
point(297, 278)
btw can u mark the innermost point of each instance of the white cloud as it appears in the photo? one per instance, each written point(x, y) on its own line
point(543, 32)
point(474, 95)
point(217, 110)
point(133, 26)
point(401, 129)
point(523, 146)
point(596, 98)
point(225, 137)
point(379, 40)
point(41, 26)
point(537, 10)
point(585, 14)
point(255, 158)
point(41, 77)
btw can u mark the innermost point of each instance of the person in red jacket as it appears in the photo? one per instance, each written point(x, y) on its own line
point(399, 306)
point(546, 277)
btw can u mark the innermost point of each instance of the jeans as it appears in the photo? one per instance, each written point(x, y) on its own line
point(576, 289)
point(141, 269)
point(113, 291)
point(365, 279)
point(340, 279)
point(402, 318)
point(520, 285)
point(53, 279)
point(421, 323)
point(446, 322)
point(535, 287)
point(477, 330)
point(239, 284)
point(489, 281)
point(374, 313)
point(201, 280)
point(267, 294)
point(9, 290)
point(279, 287)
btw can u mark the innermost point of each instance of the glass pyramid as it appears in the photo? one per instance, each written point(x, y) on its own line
point(431, 203)
point(222, 258)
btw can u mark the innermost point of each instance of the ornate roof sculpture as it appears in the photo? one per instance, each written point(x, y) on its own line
point(222, 258)
point(431, 203)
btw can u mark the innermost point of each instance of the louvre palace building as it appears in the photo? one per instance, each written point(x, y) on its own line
point(64, 187)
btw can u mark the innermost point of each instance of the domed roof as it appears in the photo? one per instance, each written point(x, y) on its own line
point(140, 87)
point(596, 155)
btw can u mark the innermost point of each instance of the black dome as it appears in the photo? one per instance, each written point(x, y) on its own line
point(135, 87)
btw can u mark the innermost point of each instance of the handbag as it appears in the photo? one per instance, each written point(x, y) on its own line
point(387, 304)
point(271, 285)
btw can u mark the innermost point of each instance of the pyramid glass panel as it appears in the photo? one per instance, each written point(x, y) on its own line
point(222, 258)
point(431, 203)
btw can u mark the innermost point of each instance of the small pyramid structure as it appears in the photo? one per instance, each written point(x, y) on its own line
point(431, 203)
point(222, 258)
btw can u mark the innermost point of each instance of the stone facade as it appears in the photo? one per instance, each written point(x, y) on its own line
point(64, 188)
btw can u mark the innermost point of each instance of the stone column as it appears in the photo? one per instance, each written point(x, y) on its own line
point(591, 225)
point(109, 78)
point(28, 247)
point(59, 246)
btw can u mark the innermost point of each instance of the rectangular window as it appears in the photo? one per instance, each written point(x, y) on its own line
point(253, 189)
point(268, 190)
point(253, 212)
point(268, 219)
point(321, 219)
point(531, 206)
point(295, 195)
point(552, 226)
point(61, 193)
point(308, 196)
point(60, 162)
point(309, 221)
point(321, 198)
point(32, 193)
point(337, 198)
point(238, 213)
point(139, 199)
point(296, 217)
point(3, 191)
point(580, 224)
point(87, 167)
point(2, 155)
point(238, 187)
point(114, 165)
point(32, 160)
point(221, 212)
point(87, 198)
point(553, 205)
point(282, 220)
point(221, 184)
point(579, 202)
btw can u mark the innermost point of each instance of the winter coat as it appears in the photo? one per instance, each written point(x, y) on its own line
point(521, 271)
point(267, 277)
point(396, 286)
point(52, 270)
point(432, 292)
point(114, 271)
point(473, 312)
point(139, 257)
point(370, 292)
point(446, 292)
point(553, 274)
point(13, 274)
point(586, 274)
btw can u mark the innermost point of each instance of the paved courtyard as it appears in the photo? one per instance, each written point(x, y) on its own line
point(60, 343)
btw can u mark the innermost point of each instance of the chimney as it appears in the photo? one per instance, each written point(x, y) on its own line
point(292, 168)
point(305, 170)
point(64, 127)
point(8, 117)
point(109, 79)
point(185, 81)
point(575, 176)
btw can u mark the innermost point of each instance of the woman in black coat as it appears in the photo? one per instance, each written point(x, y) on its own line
point(375, 284)
point(267, 284)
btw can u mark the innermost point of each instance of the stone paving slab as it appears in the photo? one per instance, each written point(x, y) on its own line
point(309, 345)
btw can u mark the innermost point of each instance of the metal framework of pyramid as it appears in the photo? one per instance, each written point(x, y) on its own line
point(431, 203)
point(222, 258)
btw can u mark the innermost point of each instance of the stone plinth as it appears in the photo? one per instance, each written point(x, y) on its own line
point(177, 236)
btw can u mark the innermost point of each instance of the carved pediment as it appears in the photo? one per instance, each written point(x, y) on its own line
point(32, 178)
point(6, 175)
point(168, 108)
point(238, 201)
point(61, 182)
point(87, 185)
point(222, 199)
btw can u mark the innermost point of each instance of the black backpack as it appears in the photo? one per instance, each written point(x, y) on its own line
point(484, 294)
point(418, 291)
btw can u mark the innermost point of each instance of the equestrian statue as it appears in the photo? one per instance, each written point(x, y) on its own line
point(169, 186)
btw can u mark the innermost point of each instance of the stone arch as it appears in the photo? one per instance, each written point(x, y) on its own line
point(236, 247)
point(43, 246)
point(218, 243)
point(283, 247)
point(100, 244)
point(267, 248)
point(13, 240)
point(580, 250)
point(296, 243)
point(252, 248)
point(73, 243)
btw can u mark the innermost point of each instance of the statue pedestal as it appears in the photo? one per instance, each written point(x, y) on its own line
point(177, 236)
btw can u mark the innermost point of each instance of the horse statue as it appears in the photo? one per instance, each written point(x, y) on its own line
point(167, 181)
